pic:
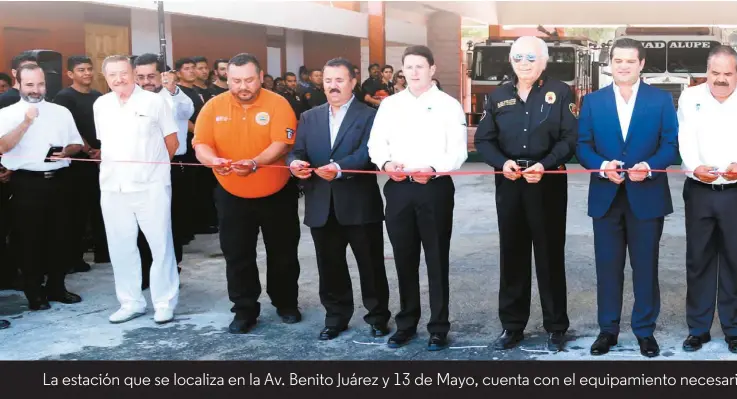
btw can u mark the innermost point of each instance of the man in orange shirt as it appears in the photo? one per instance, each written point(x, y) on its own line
point(235, 135)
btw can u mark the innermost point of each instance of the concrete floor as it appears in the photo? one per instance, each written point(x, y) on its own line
point(200, 331)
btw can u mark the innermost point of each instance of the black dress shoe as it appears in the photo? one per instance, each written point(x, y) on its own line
point(38, 303)
point(64, 297)
point(401, 338)
point(4, 324)
point(731, 343)
point(648, 346)
point(508, 339)
point(329, 333)
point(602, 344)
point(290, 316)
point(238, 326)
point(379, 330)
point(694, 342)
point(438, 341)
point(556, 341)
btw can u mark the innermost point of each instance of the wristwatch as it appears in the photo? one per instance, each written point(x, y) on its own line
point(255, 165)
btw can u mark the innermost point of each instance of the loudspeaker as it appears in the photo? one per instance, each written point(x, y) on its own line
point(50, 62)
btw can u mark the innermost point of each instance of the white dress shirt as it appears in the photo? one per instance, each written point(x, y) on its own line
point(135, 132)
point(707, 133)
point(429, 130)
point(53, 127)
point(182, 109)
point(624, 113)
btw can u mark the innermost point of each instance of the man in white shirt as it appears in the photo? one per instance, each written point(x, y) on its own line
point(138, 138)
point(707, 114)
point(35, 136)
point(421, 130)
point(150, 76)
point(628, 129)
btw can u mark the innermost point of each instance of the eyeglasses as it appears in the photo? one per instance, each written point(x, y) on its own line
point(530, 57)
point(400, 77)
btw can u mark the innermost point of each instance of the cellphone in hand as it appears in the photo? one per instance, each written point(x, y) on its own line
point(52, 151)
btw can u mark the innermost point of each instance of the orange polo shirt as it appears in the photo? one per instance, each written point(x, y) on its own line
point(238, 133)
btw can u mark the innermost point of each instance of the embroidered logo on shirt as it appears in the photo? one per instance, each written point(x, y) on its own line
point(504, 103)
point(698, 107)
point(221, 119)
point(262, 118)
point(290, 133)
point(550, 97)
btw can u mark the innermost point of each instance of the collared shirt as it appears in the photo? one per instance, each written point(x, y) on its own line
point(624, 108)
point(424, 131)
point(706, 134)
point(238, 133)
point(53, 127)
point(182, 109)
point(336, 119)
point(543, 128)
point(132, 134)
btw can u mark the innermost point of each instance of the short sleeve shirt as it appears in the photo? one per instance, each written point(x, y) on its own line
point(239, 133)
point(133, 151)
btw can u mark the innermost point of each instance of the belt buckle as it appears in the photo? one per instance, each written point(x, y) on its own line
point(48, 174)
point(720, 187)
point(523, 163)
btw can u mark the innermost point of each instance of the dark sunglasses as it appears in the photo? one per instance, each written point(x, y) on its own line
point(530, 57)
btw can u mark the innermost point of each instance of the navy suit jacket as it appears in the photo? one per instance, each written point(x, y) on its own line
point(356, 198)
point(652, 138)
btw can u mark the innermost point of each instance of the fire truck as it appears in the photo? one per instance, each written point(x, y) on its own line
point(675, 57)
point(571, 60)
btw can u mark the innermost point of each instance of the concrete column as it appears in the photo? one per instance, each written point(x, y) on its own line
point(444, 39)
point(295, 51)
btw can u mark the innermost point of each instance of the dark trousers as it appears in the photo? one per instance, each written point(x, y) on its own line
point(615, 233)
point(180, 218)
point(532, 218)
point(40, 222)
point(84, 205)
point(336, 291)
point(202, 182)
point(240, 220)
point(711, 257)
point(420, 216)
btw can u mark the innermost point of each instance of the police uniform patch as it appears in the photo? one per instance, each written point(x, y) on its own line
point(290, 133)
point(262, 118)
point(550, 97)
point(308, 95)
point(574, 109)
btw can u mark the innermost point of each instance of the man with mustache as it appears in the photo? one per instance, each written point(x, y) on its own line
point(626, 130)
point(12, 96)
point(707, 114)
point(528, 127)
point(150, 76)
point(235, 135)
point(343, 208)
point(78, 99)
point(137, 125)
point(35, 137)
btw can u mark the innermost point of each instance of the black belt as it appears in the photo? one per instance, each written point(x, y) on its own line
point(526, 163)
point(46, 175)
point(714, 187)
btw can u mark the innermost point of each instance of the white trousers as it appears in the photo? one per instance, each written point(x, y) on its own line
point(151, 210)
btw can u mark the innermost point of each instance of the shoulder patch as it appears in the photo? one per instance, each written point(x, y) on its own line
point(574, 109)
point(290, 133)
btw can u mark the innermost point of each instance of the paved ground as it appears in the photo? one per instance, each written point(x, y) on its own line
point(200, 332)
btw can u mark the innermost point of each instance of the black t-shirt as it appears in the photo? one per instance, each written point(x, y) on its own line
point(296, 101)
point(217, 90)
point(197, 99)
point(206, 93)
point(315, 97)
point(10, 97)
point(80, 105)
point(377, 89)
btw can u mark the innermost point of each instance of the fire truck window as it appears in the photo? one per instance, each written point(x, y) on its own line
point(562, 63)
point(655, 59)
point(688, 56)
point(492, 64)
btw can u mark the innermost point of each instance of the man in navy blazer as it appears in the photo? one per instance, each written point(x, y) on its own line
point(626, 130)
point(343, 208)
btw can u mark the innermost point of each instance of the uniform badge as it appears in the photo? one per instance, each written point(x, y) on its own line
point(574, 109)
point(290, 133)
point(550, 97)
point(307, 96)
point(262, 118)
